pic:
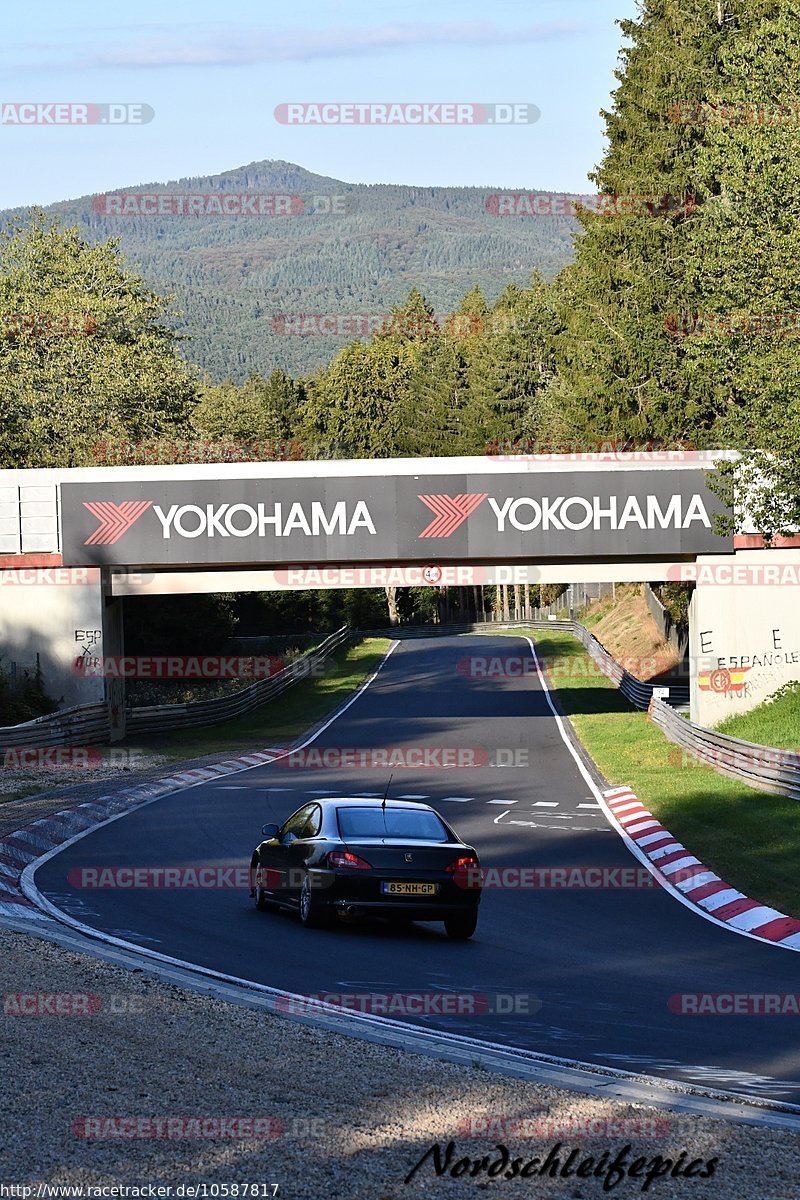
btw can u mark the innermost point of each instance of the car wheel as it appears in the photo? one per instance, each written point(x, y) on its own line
point(462, 926)
point(314, 913)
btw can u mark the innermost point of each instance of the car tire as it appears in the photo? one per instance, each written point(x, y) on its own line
point(262, 903)
point(461, 926)
point(314, 912)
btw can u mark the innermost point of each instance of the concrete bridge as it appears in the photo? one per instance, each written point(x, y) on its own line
point(75, 543)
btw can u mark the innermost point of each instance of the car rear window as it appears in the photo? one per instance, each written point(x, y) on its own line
point(399, 823)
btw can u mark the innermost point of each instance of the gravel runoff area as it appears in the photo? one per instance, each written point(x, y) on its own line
point(63, 787)
point(345, 1118)
point(114, 767)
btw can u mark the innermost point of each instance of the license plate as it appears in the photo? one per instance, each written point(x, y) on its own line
point(410, 889)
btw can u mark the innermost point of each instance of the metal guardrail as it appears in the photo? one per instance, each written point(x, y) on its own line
point(766, 768)
point(89, 723)
point(79, 726)
point(637, 691)
point(198, 713)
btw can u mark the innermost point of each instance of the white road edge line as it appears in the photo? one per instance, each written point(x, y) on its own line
point(630, 843)
point(29, 889)
point(26, 881)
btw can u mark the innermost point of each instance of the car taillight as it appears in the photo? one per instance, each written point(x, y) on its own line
point(462, 864)
point(467, 871)
point(350, 862)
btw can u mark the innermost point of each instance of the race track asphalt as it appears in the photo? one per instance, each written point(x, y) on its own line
point(599, 964)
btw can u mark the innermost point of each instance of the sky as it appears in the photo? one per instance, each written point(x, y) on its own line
point(213, 76)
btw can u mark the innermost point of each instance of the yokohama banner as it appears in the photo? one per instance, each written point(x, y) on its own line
point(369, 518)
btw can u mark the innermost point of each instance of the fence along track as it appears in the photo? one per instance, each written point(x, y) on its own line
point(638, 692)
point(90, 723)
point(765, 768)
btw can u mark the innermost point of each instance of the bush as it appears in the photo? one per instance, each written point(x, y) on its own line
point(24, 700)
point(675, 597)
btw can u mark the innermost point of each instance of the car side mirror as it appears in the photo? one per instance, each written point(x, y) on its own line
point(270, 830)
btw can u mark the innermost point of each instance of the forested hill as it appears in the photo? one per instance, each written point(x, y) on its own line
point(235, 276)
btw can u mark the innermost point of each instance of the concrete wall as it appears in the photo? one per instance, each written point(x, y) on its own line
point(744, 631)
point(59, 614)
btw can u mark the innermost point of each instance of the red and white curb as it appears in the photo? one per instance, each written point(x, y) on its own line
point(677, 870)
point(23, 846)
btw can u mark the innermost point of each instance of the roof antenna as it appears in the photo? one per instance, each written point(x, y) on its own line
point(383, 804)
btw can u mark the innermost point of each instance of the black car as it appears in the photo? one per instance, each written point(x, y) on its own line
point(362, 857)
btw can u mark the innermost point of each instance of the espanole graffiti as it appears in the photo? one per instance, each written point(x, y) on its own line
point(391, 517)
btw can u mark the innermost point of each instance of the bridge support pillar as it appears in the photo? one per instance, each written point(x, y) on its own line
point(56, 616)
point(744, 633)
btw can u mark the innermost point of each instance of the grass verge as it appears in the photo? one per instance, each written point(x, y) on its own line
point(776, 722)
point(278, 723)
point(283, 720)
point(750, 839)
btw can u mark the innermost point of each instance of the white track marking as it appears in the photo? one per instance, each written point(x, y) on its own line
point(614, 824)
point(593, 788)
point(502, 801)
